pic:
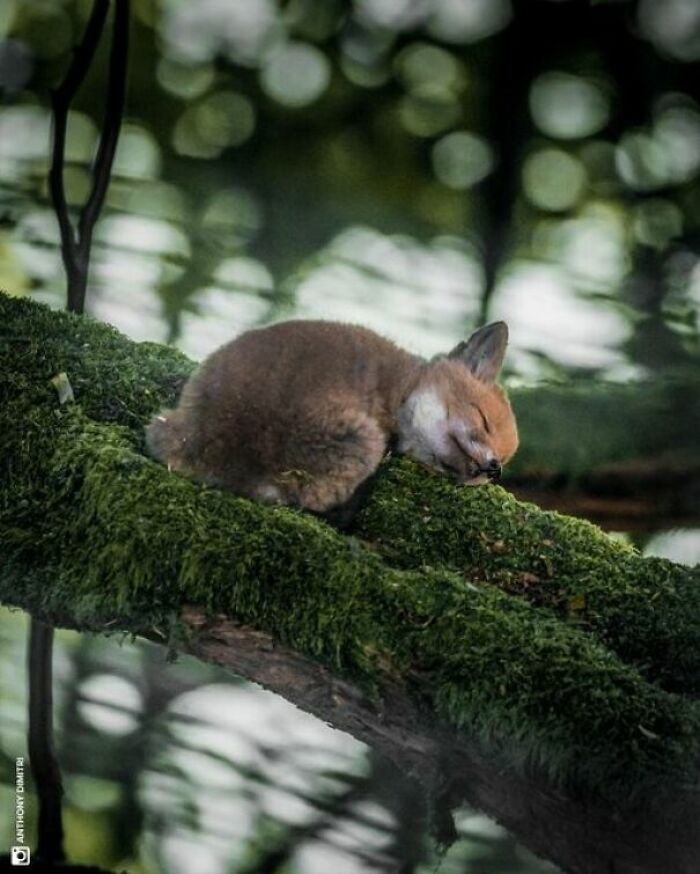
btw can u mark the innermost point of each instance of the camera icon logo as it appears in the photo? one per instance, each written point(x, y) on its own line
point(19, 855)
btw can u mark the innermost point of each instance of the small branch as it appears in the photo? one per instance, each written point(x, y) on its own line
point(116, 91)
point(83, 54)
point(75, 246)
point(61, 99)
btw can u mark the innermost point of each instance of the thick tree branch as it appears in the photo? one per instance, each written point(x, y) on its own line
point(640, 495)
point(582, 835)
point(513, 658)
point(624, 455)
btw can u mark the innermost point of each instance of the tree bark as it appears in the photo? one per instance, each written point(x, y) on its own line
point(515, 659)
point(581, 835)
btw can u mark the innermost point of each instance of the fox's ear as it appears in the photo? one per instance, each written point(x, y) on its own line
point(484, 351)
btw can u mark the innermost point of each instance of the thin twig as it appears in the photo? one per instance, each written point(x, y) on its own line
point(61, 99)
point(116, 90)
point(75, 245)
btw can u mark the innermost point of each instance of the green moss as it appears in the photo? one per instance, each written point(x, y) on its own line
point(97, 536)
point(113, 380)
point(124, 540)
point(645, 609)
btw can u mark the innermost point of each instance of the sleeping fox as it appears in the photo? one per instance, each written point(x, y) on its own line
point(302, 413)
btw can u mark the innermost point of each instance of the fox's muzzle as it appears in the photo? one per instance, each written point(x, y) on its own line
point(492, 470)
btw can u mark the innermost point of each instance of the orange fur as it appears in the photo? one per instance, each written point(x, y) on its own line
point(302, 412)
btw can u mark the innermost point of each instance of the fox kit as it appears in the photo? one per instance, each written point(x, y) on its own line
point(302, 413)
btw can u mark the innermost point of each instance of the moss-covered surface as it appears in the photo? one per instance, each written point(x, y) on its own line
point(97, 536)
point(645, 609)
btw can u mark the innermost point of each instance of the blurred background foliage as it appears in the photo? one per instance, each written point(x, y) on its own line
point(417, 166)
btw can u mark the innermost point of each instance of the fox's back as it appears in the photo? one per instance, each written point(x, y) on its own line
point(289, 366)
point(262, 402)
point(302, 412)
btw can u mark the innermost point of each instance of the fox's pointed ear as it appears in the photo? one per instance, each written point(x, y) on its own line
point(484, 351)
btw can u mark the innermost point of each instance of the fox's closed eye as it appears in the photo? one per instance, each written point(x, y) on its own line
point(484, 421)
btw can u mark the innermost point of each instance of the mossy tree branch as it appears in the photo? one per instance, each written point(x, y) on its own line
point(624, 455)
point(517, 659)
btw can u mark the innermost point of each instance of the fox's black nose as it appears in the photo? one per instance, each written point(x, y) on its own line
point(492, 469)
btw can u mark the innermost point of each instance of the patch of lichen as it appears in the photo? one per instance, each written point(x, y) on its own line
point(97, 536)
point(646, 609)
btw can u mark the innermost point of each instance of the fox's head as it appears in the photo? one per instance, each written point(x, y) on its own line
point(457, 419)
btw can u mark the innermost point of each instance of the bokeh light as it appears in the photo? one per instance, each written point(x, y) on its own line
point(195, 33)
point(295, 74)
point(673, 26)
point(567, 107)
point(461, 159)
point(467, 21)
point(553, 179)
